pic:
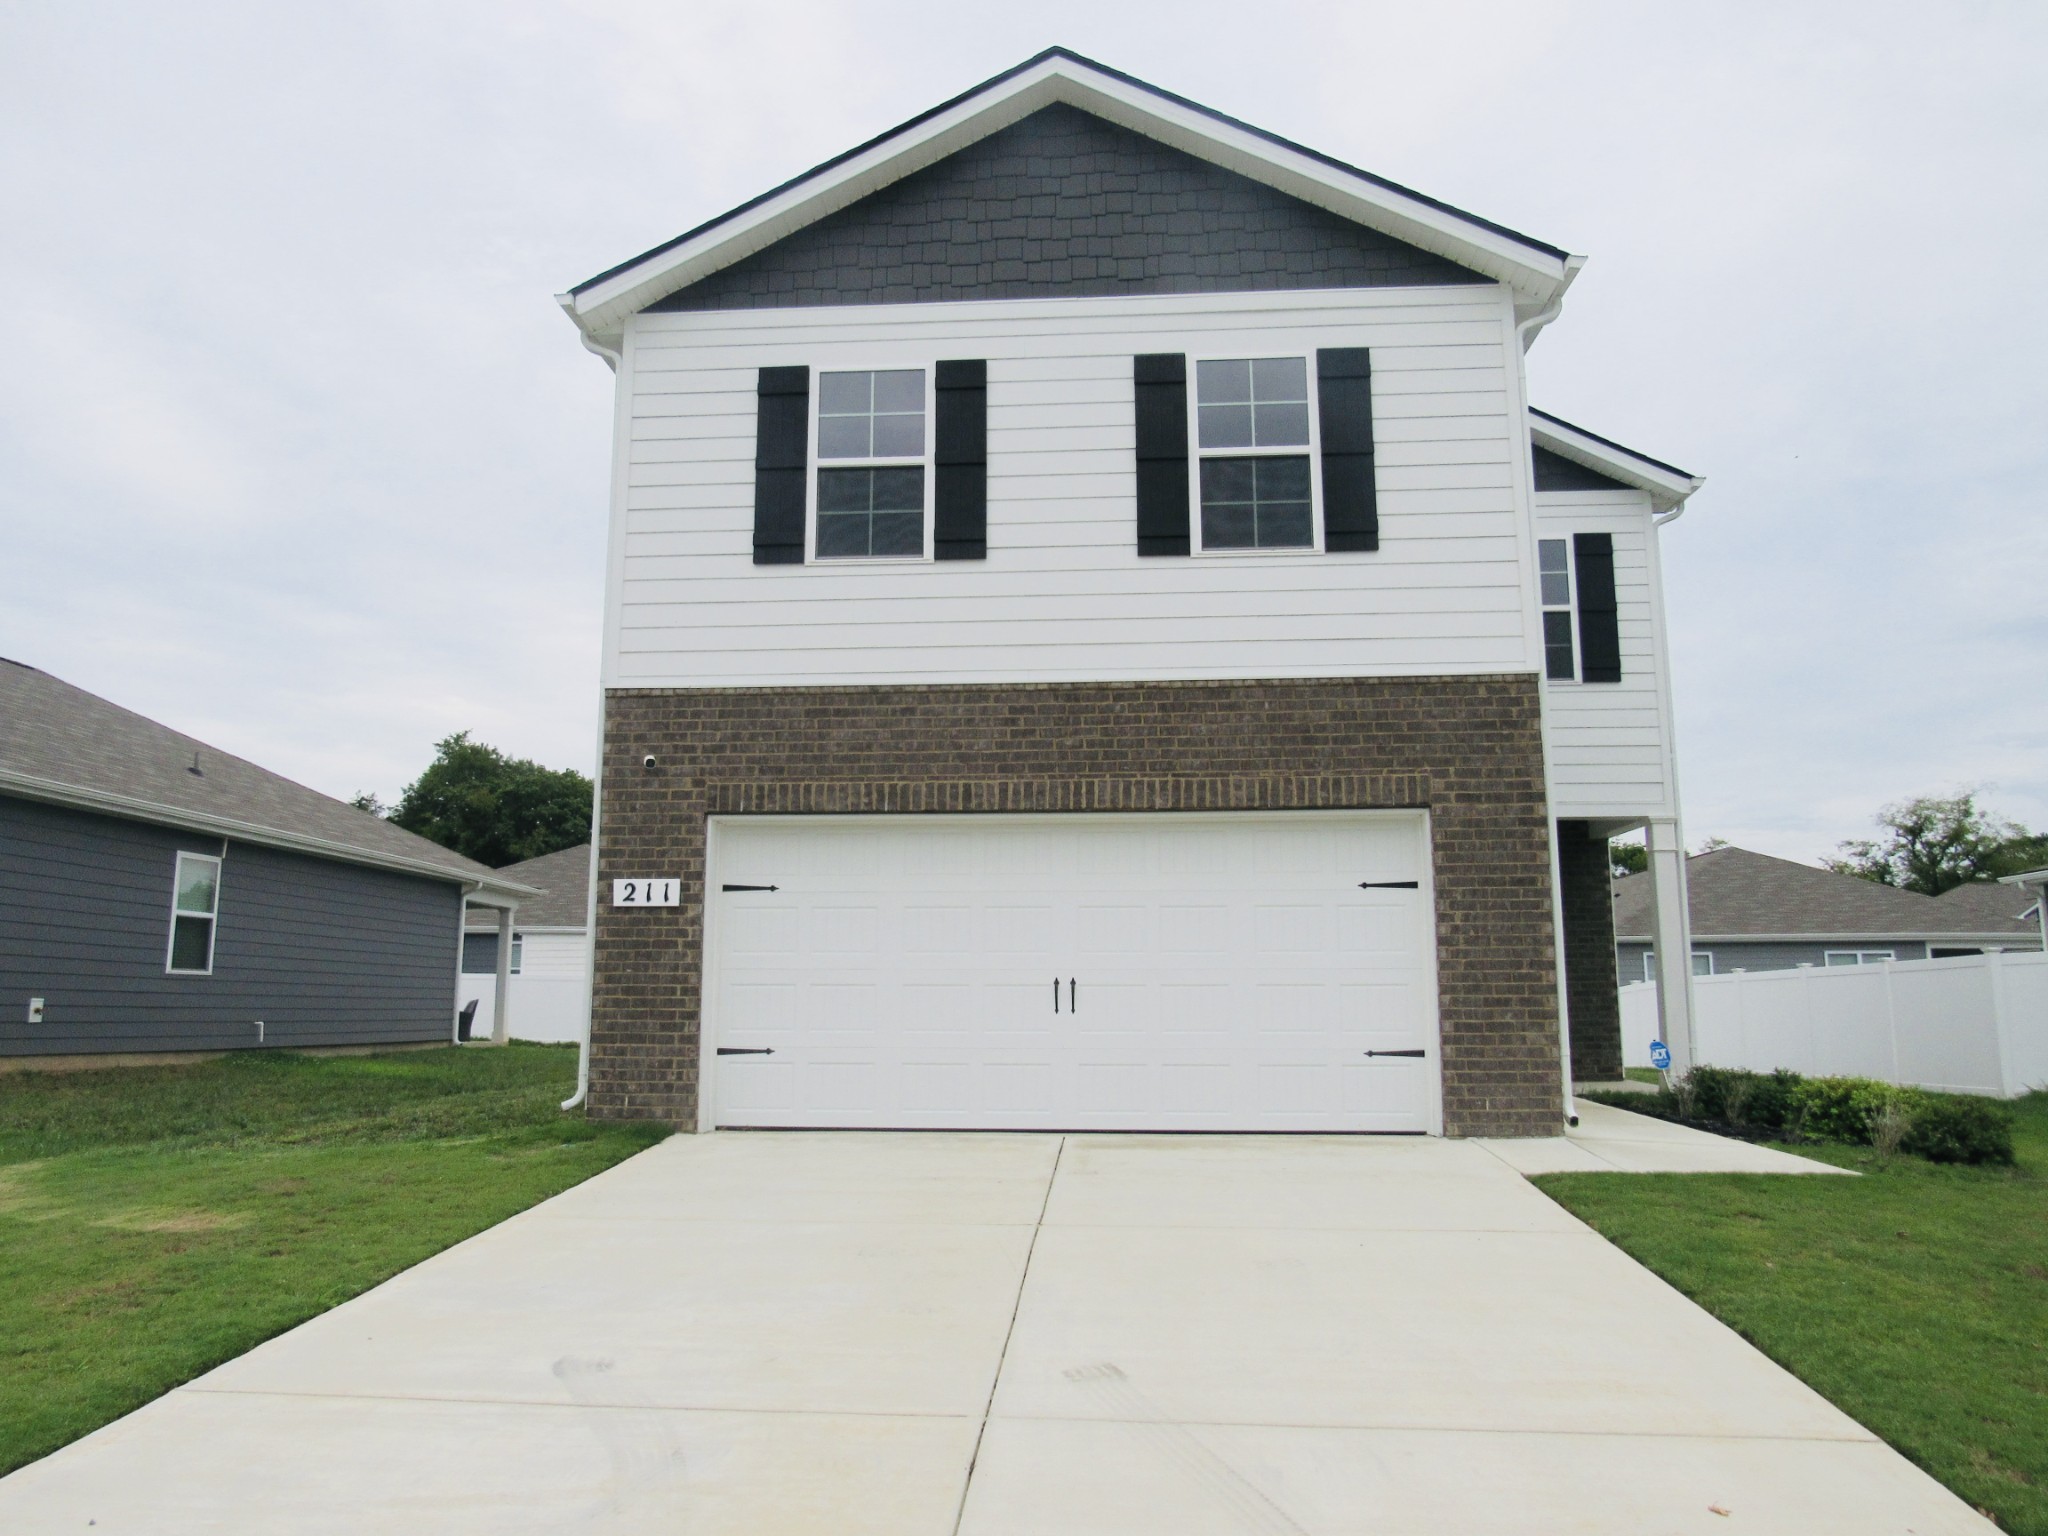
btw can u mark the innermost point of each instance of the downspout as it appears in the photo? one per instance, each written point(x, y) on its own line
point(1525, 333)
point(575, 1100)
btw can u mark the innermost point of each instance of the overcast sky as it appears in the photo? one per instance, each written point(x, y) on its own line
point(298, 455)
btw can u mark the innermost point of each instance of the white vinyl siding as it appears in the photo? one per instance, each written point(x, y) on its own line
point(1608, 755)
point(1063, 594)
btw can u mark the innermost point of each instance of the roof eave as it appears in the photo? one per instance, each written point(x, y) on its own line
point(1537, 273)
point(1668, 486)
point(76, 797)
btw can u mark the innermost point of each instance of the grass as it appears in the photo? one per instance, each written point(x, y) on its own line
point(1915, 1298)
point(157, 1221)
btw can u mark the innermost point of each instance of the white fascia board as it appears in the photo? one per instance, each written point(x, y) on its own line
point(1668, 487)
point(1537, 275)
point(50, 792)
point(2005, 936)
point(2026, 877)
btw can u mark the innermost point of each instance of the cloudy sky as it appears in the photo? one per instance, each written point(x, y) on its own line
point(298, 455)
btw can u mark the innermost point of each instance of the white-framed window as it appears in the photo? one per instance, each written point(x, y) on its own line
point(1554, 586)
point(1859, 956)
point(1255, 455)
point(518, 952)
point(871, 493)
point(1702, 963)
point(195, 908)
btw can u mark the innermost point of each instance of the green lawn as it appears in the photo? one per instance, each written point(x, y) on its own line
point(1915, 1297)
point(157, 1221)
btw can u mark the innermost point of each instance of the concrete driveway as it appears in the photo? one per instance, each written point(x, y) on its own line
point(1007, 1335)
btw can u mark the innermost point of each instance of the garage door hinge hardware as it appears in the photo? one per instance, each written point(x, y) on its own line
point(750, 887)
point(760, 1050)
point(1369, 885)
point(1393, 1053)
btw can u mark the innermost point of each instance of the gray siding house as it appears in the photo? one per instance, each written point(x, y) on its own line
point(1751, 912)
point(157, 895)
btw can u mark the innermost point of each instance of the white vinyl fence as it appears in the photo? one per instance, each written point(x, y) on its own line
point(1973, 1024)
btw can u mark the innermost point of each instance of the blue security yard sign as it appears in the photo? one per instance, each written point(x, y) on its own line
point(1660, 1055)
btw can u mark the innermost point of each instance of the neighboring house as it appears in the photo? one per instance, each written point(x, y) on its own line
point(549, 967)
point(1751, 912)
point(157, 895)
point(1096, 638)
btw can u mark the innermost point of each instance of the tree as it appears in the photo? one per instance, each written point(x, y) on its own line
point(368, 801)
point(1628, 858)
point(492, 808)
point(1934, 843)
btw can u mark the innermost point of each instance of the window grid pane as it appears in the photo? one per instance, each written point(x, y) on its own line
point(198, 885)
point(1559, 658)
point(871, 415)
point(1250, 402)
point(863, 513)
point(1258, 503)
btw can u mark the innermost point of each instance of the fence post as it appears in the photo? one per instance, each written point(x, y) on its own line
point(1891, 1019)
point(2001, 1022)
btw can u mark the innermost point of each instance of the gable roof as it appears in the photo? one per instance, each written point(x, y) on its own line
point(1992, 902)
point(1668, 485)
point(1538, 272)
point(64, 746)
point(563, 880)
point(1737, 894)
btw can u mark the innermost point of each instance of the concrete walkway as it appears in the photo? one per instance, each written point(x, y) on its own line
point(1008, 1335)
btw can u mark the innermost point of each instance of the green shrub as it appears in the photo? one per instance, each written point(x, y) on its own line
point(1845, 1108)
point(1958, 1128)
point(1737, 1097)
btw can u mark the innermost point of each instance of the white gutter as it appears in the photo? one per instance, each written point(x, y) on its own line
point(51, 792)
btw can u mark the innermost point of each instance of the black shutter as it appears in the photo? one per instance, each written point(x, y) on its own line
point(1599, 623)
point(782, 430)
point(1160, 380)
point(960, 456)
point(1351, 507)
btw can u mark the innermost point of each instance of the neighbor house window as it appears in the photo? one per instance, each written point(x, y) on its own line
point(518, 952)
point(1252, 436)
point(871, 455)
point(1702, 963)
point(1554, 583)
point(1859, 956)
point(195, 904)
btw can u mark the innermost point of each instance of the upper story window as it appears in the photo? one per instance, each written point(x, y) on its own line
point(1554, 581)
point(1859, 956)
point(872, 499)
point(1252, 433)
point(195, 905)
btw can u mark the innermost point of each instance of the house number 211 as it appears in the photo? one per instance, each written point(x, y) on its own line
point(646, 893)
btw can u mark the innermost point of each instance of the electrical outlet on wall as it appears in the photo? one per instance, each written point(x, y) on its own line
point(35, 1010)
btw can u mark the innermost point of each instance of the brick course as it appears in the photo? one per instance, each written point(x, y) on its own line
point(1059, 204)
point(1467, 749)
point(1586, 893)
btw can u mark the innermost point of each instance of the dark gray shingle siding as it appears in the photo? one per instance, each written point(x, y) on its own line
point(1062, 204)
point(1555, 472)
point(324, 953)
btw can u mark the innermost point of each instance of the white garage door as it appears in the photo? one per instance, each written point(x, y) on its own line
point(1241, 971)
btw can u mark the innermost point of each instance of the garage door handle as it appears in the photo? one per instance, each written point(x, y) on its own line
point(750, 887)
point(746, 1050)
point(1393, 1053)
point(1371, 885)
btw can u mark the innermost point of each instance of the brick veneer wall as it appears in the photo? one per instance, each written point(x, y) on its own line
point(1467, 749)
point(1059, 204)
point(1586, 894)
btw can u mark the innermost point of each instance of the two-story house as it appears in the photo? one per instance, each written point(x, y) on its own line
point(1100, 640)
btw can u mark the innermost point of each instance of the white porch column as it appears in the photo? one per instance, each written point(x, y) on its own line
point(502, 1010)
point(1673, 936)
